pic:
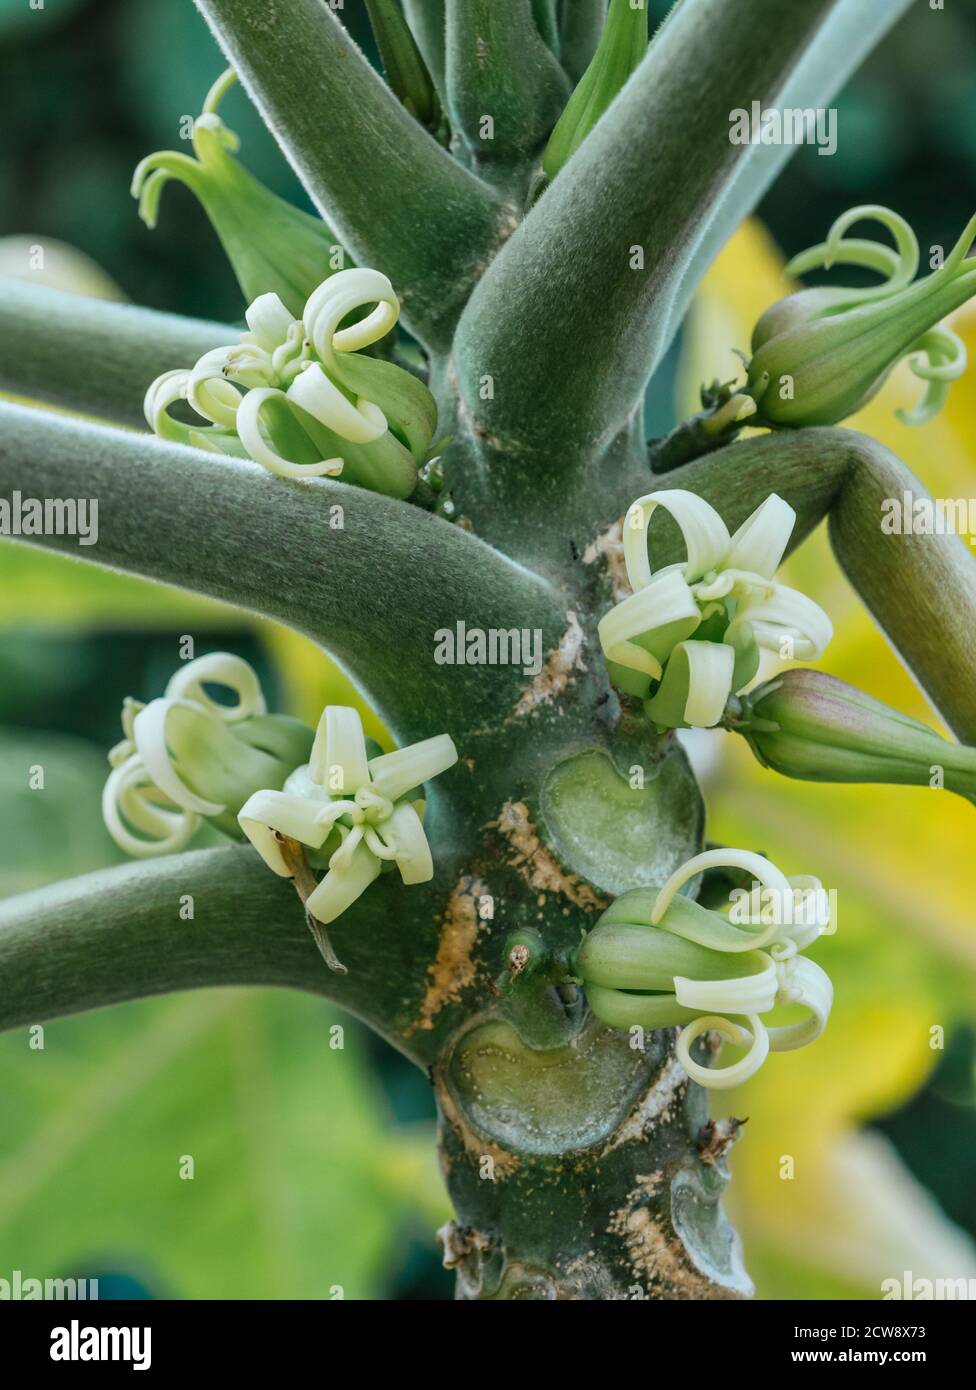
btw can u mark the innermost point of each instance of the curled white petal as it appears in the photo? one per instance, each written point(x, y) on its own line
point(761, 540)
point(126, 802)
point(788, 615)
point(705, 534)
point(403, 832)
point(338, 297)
point(269, 321)
point(710, 668)
point(219, 668)
point(360, 423)
point(723, 1078)
point(763, 871)
point(802, 982)
point(268, 811)
point(149, 730)
point(341, 887)
point(252, 437)
point(665, 600)
point(210, 393)
point(811, 910)
point(165, 391)
point(742, 994)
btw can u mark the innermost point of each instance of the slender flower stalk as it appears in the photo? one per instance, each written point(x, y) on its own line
point(272, 246)
point(657, 959)
point(689, 635)
point(821, 354)
point(298, 396)
point(621, 49)
point(812, 726)
point(186, 757)
point(357, 815)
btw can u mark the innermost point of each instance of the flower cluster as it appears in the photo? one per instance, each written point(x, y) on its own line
point(295, 395)
point(657, 959)
point(689, 635)
point(821, 354)
point(186, 757)
point(357, 814)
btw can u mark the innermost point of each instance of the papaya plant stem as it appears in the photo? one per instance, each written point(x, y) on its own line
point(371, 577)
point(920, 588)
point(91, 355)
point(595, 265)
point(187, 921)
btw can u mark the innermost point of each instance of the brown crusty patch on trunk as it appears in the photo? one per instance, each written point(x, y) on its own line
point(609, 547)
point(655, 1254)
point(538, 865)
point(453, 968)
point(556, 671)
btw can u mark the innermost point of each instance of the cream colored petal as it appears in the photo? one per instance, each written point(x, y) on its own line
point(704, 533)
point(761, 540)
point(724, 1078)
point(395, 774)
point(338, 759)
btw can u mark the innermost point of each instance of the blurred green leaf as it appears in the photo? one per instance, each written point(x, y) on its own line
point(45, 587)
point(296, 1187)
point(55, 830)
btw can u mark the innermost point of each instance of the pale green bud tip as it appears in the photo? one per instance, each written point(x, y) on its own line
point(296, 396)
point(821, 354)
point(356, 815)
point(812, 726)
point(186, 756)
point(272, 246)
point(657, 959)
point(622, 46)
point(689, 635)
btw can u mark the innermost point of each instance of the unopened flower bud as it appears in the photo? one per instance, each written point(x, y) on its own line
point(820, 355)
point(812, 726)
point(272, 246)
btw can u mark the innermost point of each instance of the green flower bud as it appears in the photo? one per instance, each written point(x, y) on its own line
point(186, 757)
point(297, 396)
point(272, 246)
point(812, 726)
point(622, 46)
point(821, 354)
point(404, 65)
point(657, 959)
